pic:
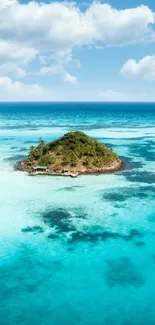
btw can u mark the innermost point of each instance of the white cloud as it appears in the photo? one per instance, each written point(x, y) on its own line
point(6, 3)
point(69, 78)
point(16, 91)
point(20, 73)
point(144, 69)
point(49, 70)
point(112, 26)
point(57, 63)
point(52, 30)
point(59, 25)
point(13, 56)
point(99, 47)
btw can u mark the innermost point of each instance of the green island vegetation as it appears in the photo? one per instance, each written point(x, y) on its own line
point(74, 151)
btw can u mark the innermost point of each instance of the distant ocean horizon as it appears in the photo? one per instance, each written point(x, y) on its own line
point(78, 251)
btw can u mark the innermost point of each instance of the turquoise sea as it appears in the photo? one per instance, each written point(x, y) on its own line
point(78, 251)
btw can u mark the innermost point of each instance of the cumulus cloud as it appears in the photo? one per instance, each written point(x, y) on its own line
point(112, 26)
point(69, 78)
point(52, 30)
point(16, 91)
point(60, 61)
point(58, 25)
point(48, 33)
point(144, 69)
point(20, 73)
point(49, 70)
point(13, 56)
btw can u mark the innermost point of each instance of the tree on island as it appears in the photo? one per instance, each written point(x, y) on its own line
point(75, 151)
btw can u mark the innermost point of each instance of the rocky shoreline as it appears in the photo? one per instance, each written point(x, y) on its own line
point(115, 166)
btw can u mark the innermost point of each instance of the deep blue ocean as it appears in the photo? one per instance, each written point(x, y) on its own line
point(78, 251)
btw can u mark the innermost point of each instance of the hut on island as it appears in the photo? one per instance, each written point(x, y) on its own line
point(65, 170)
point(40, 169)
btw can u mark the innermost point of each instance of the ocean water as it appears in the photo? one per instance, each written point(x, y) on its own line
point(78, 251)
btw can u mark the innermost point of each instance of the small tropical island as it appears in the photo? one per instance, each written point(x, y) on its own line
point(71, 155)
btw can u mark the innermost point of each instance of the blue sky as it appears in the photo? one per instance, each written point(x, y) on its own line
point(96, 51)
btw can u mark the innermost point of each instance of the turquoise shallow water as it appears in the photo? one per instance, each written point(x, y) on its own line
point(78, 251)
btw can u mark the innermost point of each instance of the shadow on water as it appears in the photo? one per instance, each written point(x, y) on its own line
point(130, 164)
point(30, 270)
point(139, 244)
point(15, 158)
point(34, 229)
point(145, 150)
point(17, 149)
point(59, 219)
point(122, 194)
point(103, 235)
point(64, 225)
point(139, 176)
point(151, 217)
point(122, 272)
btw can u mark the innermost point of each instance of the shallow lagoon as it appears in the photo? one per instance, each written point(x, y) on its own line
point(78, 251)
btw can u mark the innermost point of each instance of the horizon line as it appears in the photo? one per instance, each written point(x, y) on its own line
point(70, 102)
